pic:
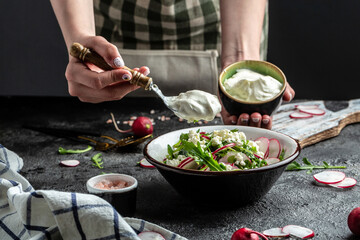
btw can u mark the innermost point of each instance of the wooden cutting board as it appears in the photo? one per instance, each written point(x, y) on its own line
point(308, 131)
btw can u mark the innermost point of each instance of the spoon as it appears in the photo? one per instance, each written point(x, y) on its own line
point(165, 99)
point(86, 55)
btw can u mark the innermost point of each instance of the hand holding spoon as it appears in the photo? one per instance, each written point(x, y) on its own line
point(193, 105)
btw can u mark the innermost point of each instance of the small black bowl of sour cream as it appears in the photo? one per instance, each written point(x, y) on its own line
point(251, 86)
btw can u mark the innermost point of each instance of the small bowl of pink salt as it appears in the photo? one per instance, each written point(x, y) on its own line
point(118, 189)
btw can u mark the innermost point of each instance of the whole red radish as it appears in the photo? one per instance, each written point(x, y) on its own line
point(354, 221)
point(142, 126)
point(247, 234)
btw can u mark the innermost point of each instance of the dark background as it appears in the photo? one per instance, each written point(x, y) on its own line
point(316, 43)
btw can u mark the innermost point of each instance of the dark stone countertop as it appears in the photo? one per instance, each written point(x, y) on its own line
point(294, 199)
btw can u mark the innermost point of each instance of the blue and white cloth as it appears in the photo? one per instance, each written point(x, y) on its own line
point(26, 213)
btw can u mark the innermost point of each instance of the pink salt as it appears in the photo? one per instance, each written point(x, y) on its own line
point(107, 184)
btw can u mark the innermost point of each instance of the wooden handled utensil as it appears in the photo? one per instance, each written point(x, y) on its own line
point(87, 55)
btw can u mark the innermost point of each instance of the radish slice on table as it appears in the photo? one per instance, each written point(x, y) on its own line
point(275, 233)
point(274, 148)
point(313, 111)
point(306, 106)
point(298, 231)
point(70, 163)
point(263, 143)
point(144, 163)
point(272, 160)
point(346, 183)
point(329, 177)
point(247, 234)
point(150, 235)
point(300, 115)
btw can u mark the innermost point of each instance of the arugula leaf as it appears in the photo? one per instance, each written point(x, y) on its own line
point(184, 137)
point(306, 161)
point(203, 157)
point(71, 151)
point(231, 159)
point(170, 152)
point(282, 155)
point(97, 161)
point(295, 166)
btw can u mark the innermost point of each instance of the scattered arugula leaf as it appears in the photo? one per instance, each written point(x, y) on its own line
point(295, 166)
point(97, 161)
point(71, 151)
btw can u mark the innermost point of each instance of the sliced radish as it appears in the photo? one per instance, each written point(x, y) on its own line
point(272, 160)
point(306, 106)
point(300, 115)
point(346, 183)
point(247, 158)
point(313, 111)
point(188, 163)
point(275, 233)
point(150, 235)
point(206, 137)
point(184, 161)
point(224, 147)
point(70, 163)
point(205, 168)
point(298, 231)
point(263, 143)
point(329, 177)
point(274, 148)
point(223, 159)
point(233, 166)
point(144, 163)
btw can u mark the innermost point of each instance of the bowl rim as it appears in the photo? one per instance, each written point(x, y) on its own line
point(286, 161)
point(252, 102)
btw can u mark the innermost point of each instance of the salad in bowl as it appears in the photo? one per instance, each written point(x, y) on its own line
point(222, 163)
point(222, 150)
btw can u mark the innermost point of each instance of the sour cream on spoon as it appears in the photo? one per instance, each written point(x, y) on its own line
point(193, 105)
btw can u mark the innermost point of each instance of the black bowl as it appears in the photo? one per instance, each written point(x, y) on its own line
point(230, 188)
point(235, 106)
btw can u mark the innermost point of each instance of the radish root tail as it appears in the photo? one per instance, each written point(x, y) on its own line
point(116, 126)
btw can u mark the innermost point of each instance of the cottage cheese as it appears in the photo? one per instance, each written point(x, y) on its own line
point(227, 135)
point(176, 161)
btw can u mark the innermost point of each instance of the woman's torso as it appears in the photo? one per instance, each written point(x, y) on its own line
point(160, 24)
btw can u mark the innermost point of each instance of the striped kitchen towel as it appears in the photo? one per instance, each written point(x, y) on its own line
point(26, 213)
